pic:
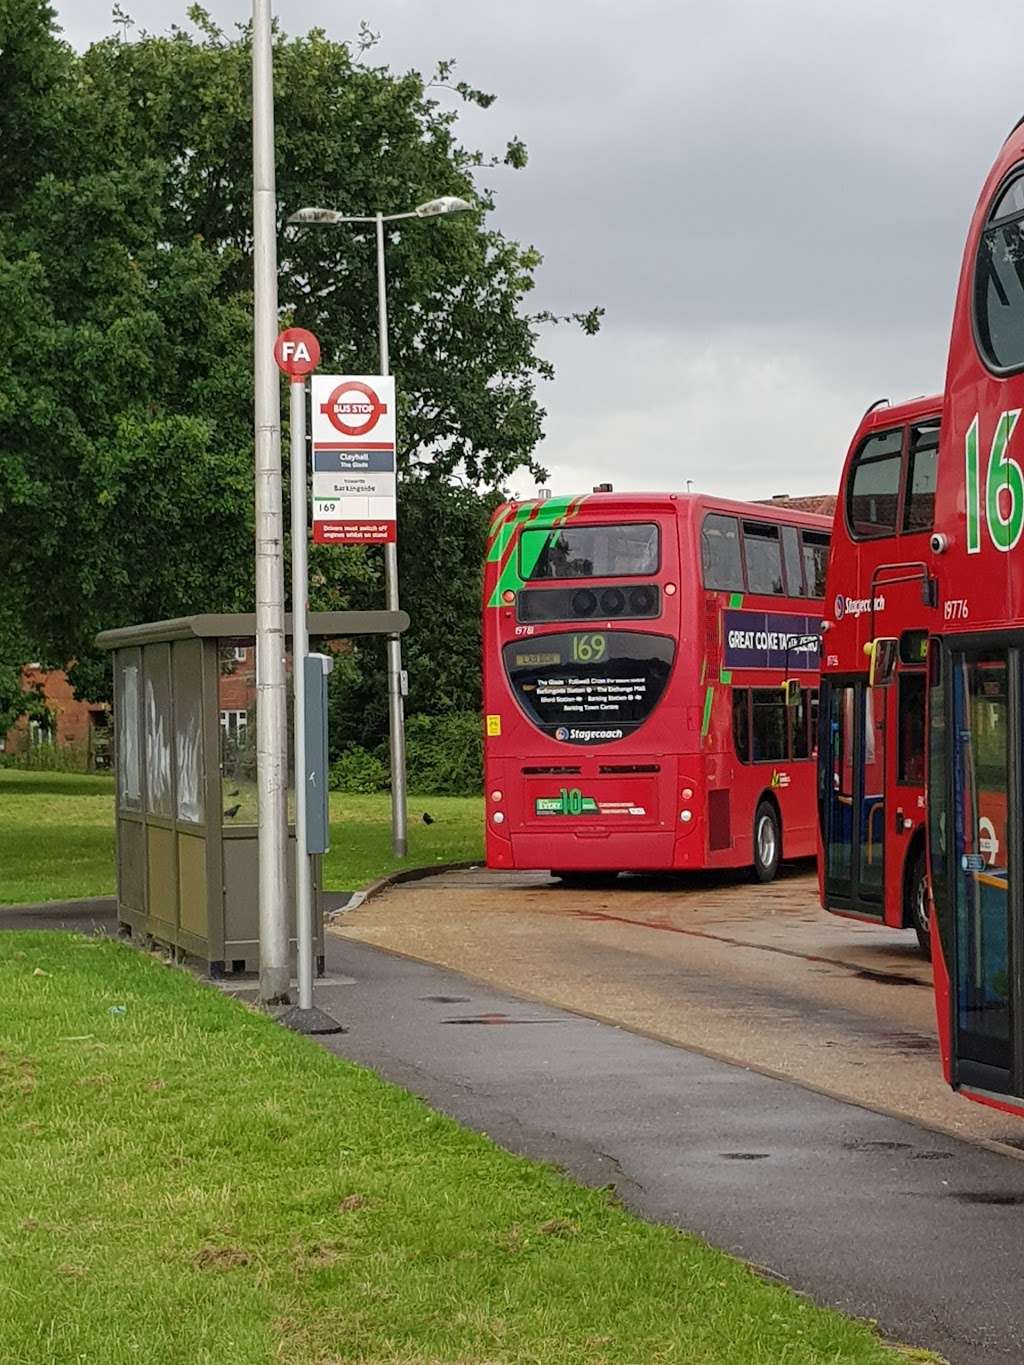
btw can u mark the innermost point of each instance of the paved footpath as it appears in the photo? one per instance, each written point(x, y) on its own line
point(870, 1214)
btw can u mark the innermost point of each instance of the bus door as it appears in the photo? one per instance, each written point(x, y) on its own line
point(854, 796)
point(984, 868)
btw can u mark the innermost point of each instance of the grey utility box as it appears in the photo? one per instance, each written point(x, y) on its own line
point(185, 759)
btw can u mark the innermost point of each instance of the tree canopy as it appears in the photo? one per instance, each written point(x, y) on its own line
point(125, 283)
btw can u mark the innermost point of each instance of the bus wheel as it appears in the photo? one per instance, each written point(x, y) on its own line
point(766, 842)
point(919, 915)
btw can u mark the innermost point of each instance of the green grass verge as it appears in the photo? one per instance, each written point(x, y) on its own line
point(57, 836)
point(361, 836)
point(183, 1181)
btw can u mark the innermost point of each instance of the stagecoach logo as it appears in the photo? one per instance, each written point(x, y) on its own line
point(575, 735)
point(856, 606)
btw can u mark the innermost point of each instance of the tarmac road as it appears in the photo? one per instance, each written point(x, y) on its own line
point(876, 1216)
point(756, 975)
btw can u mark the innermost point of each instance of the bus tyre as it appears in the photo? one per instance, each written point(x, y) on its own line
point(919, 908)
point(767, 842)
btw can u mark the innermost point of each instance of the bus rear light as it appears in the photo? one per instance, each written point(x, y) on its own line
point(686, 816)
point(670, 590)
point(498, 817)
point(687, 793)
point(495, 796)
point(508, 595)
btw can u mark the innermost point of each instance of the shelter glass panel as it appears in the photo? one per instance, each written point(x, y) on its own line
point(129, 758)
point(157, 728)
point(236, 700)
point(188, 730)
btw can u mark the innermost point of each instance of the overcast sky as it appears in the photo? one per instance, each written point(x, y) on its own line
point(769, 197)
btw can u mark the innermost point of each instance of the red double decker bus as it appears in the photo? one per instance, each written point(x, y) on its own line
point(976, 709)
point(635, 651)
point(872, 862)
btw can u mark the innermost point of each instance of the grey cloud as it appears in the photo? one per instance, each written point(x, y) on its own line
point(769, 196)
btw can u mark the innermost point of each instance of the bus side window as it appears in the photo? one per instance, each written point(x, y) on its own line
point(764, 558)
point(910, 725)
point(919, 502)
point(815, 561)
point(791, 559)
point(769, 725)
point(741, 722)
point(720, 553)
point(874, 488)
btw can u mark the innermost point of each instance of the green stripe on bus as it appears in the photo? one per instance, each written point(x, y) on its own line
point(705, 724)
point(725, 675)
point(736, 599)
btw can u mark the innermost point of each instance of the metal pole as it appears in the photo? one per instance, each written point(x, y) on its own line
point(271, 732)
point(300, 648)
point(396, 709)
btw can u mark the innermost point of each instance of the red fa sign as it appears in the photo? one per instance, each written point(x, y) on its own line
point(297, 352)
point(354, 408)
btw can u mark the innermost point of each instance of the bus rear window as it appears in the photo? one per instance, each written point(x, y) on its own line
point(589, 687)
point(589, 551)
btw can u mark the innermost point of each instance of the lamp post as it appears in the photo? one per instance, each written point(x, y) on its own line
point(433, 208)
point(271, 732)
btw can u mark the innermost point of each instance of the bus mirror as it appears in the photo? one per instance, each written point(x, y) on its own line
point(791, 692)
point(882, 656)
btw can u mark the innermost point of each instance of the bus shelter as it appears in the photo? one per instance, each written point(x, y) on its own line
point(185, 761)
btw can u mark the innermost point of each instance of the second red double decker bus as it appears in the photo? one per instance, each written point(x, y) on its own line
point(650, 683)
point(872, 754)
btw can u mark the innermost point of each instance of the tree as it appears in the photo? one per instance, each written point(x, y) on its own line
point(15, 700)
point(441, 552)
point(125, 274)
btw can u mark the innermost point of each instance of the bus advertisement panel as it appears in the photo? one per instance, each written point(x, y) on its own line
point(976, 669)
point(635, 650)
point(872, 862)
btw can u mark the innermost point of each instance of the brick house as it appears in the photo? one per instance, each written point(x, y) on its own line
point(83, 724)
